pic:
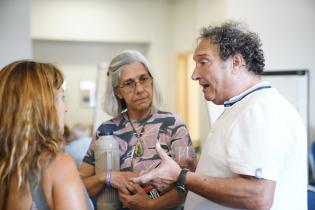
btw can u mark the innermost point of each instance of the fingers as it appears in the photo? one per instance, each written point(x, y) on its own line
point(131, 188)
point(137, 188)
point(123, 197)
point(120, 183)
point(146, 178)
point(167, 161)
point(125, 190)
point(163, 155)
point(142, 173)
point(162, 187)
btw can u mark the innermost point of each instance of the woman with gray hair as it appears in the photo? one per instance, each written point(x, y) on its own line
point(113, 105)
point(132, 96)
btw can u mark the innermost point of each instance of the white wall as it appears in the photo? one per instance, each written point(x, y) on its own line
point(111, 21)
point(184, 26)
point(209, 12)
point(171, 27)
point(287, 31)
point(15, 40)
point(78, 61)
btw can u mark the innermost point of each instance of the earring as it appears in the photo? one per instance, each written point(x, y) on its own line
point(119, 96)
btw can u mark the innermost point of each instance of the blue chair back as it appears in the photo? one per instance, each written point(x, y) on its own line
point(311, 197)
point(312, 163)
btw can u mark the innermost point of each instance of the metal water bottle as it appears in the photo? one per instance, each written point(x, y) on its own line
point(107, 158)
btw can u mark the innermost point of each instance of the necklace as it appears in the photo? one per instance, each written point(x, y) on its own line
point(138, 149)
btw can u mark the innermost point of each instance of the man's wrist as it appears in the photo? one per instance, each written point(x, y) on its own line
point(180, 185)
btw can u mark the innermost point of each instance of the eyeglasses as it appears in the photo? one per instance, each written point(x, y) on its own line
point(144, 80)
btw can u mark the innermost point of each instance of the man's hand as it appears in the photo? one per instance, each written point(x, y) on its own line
point(164, 175)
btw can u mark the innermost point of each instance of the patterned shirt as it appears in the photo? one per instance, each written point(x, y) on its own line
point(165, 127)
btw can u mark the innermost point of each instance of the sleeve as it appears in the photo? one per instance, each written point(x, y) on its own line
point(89, 157)
point(181, 137)
point(256, 144)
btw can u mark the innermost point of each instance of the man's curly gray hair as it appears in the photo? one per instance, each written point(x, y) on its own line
point(233, 38)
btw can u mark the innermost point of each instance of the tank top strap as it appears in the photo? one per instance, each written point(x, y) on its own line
point(38, 197)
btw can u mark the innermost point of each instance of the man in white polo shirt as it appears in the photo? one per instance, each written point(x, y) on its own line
point(255, 154)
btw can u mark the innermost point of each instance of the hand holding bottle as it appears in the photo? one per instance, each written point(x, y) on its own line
point(120, 179)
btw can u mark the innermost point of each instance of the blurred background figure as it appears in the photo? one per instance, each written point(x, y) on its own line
point(77, 141)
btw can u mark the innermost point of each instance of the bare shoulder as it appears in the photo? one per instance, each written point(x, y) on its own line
point(62, 165)
point(60, 174)
point(64, 160)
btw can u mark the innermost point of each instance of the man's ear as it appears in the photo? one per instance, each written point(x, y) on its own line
point(238, 62)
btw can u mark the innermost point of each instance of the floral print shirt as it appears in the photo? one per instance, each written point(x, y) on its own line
point(165, 127)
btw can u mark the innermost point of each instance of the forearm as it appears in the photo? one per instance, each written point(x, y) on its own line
point(94, 184)
point(239, 192)
point(169, 200)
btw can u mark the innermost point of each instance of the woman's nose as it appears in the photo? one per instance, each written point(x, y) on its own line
point(138, 87)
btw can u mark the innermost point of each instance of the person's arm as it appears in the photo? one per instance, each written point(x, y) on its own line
point(240, 192)
point(62, 185)
point(139, 200)
point(171, 199)
point(95, 183)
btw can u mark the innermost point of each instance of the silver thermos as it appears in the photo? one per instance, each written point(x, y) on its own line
point(107, 158)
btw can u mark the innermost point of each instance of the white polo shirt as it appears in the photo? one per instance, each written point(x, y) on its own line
point(261, 135)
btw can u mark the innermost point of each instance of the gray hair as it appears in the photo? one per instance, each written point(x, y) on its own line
point(112, 104)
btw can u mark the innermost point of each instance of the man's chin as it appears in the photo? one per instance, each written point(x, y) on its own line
point(208, 98)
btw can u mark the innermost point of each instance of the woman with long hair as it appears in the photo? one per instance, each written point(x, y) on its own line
point(34, 171)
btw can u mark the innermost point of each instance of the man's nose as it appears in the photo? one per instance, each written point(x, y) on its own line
point(195, 75)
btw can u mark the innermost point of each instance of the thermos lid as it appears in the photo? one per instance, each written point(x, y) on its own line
point(106, 142)
point(108, 133)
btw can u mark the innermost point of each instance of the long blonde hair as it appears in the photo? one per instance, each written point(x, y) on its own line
point(29, 122)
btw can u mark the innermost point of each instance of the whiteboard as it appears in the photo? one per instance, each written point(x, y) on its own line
point(293, 85)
